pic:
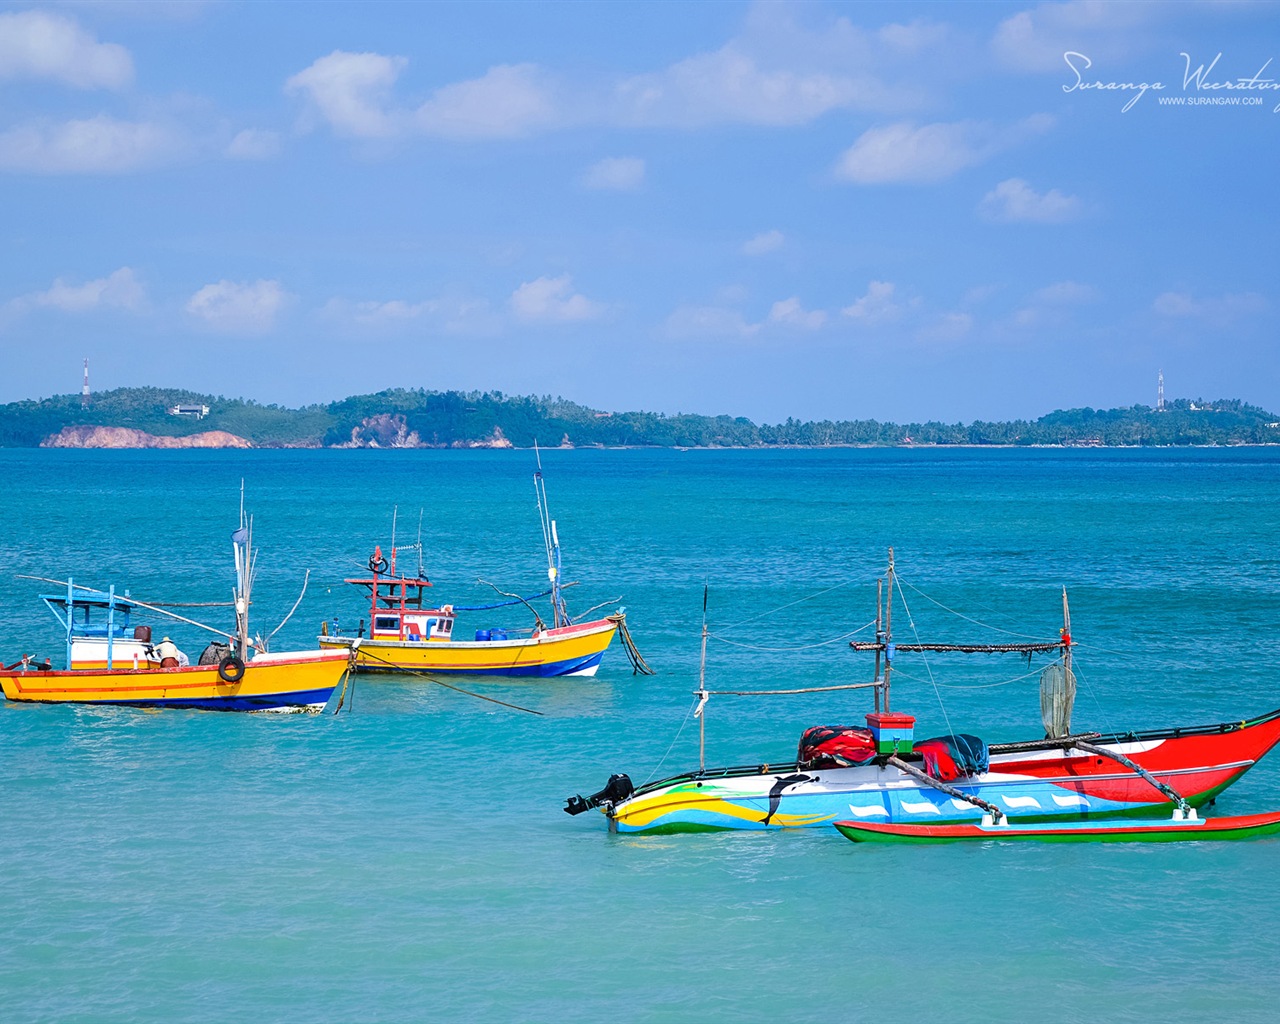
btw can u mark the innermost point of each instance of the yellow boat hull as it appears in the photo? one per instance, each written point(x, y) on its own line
point(568, 651)
point(296, 681)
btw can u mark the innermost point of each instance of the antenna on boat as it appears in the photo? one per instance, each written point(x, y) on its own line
point(395, 513)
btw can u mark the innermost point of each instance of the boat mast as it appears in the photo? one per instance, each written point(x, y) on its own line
point(550, 542)
point(879, 637)
point(242, 549)
point(888, 634)
point(702, 690)
point(1066, 634)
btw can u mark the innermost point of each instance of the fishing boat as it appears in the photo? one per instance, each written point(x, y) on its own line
point(408, 633)
point(109, 660)
point(881, 773)
point(1177, 829)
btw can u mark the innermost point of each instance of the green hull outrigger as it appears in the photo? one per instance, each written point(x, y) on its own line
point(1175, 830)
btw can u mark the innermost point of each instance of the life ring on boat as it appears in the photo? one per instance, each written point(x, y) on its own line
point(231, 669)
point(377, 565)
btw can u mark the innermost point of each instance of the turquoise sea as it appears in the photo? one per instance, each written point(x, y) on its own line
point(409, 860)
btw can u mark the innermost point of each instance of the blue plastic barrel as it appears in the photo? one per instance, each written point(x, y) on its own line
point(482, 634)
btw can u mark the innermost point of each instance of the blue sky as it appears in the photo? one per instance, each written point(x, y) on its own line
point(811, 210)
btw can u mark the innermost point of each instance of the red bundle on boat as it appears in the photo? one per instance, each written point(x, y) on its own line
point(946, 758)
point(836, 746)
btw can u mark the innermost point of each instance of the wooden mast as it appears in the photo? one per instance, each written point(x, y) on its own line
point(888, 634)
point(1066, 634)
point(702, 690)
point(879, 637)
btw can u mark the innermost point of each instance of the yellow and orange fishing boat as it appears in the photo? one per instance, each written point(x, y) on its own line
point(408, 634)
point(109, 660)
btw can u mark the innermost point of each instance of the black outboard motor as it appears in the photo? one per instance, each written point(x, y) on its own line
point(617, 789)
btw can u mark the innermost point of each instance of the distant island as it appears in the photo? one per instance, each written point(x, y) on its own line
point(405, 418)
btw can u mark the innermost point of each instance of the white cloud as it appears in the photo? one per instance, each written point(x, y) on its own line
point(354, 93)
point(1049, 306)
point(1015, 201)
point(351, 91)
point(1066, 293)
point(1217, 310)
point(101, 145)
point(119, 290)
point(729, 85)
point(254, 144)
point(790, 313)
point(508, 101)
point(948, 327)
point(43, 45)
point(876, 307)
point(619, 174)
point(709, 321)
point(396, 309)
point(764, 242)
point(552, 299)
point(1035, 40)
point(902, 152)
point(238, 307)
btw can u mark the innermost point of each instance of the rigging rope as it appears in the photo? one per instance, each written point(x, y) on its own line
point(979, 686)
point(663, 760)
point(791, 604)
point(912, 623)
point(448, 686)
point(961, 615)
point(786, 650)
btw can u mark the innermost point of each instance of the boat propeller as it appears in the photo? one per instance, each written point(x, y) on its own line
point(617, 789)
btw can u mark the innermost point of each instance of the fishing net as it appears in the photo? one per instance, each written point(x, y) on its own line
point(1057, 695)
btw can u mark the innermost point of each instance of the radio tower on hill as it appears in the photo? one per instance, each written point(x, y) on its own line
point(1159, 391)
point(84, 391)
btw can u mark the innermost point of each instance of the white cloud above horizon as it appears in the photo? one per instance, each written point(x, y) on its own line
point(350, 91)
point(552, 300)
point(877, 306)
point(790, 313)
point(98, 145)
point(120, 289)
point(1220, 309)
point(765, 242)
point(42, 45)
point(905, 153)
point(238, 307)
point(1014, 201)
point(508, 101)
point(254, 144)
point(615, 174)
point(1035, 39)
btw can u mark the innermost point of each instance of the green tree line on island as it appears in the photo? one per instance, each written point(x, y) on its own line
point(420, 418)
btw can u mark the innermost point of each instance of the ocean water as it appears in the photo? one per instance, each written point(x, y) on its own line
point(408, 860)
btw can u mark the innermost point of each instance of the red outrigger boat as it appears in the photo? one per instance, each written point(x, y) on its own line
point(881, 783)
